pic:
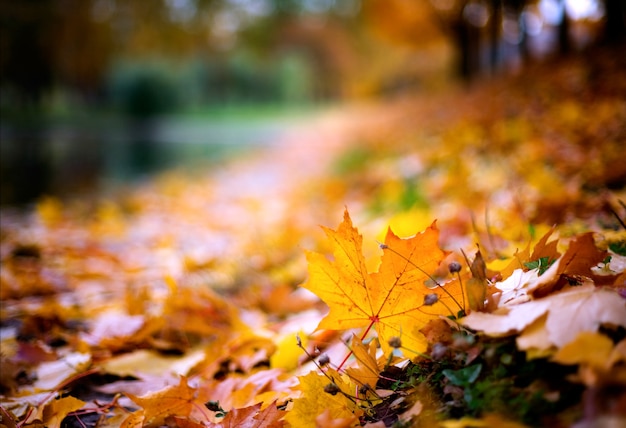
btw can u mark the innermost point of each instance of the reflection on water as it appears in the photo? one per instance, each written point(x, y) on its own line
point(73, 159)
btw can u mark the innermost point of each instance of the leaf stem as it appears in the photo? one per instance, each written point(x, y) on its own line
point(458, 274)
point(367, 330)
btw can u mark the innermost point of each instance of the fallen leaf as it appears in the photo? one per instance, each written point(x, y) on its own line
point(315, 401)
point(113, 325)
point(144, 362)
point(178, 400)
point(619, 354)
point(569, 312)
point(134, 420)
point(52, 374)
point(591, 348)
point(251, 417)
point(325, 420)
point(477, 285)
point(438, 331)
point(488, 421)
point(179, 422)
point(534, 338)
point(579, 259)
point(269, 417)
point(543, 248)
point(413, 411)
point(367, 372)
point(21, 405)
point(56, 410)
point(392, 299)
point(581, 256)
point(288, 352)
point(515, 289)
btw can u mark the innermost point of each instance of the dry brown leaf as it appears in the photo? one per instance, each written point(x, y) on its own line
point(543, 248)
point(251, 417)
point(581, 256)
point(569, 312)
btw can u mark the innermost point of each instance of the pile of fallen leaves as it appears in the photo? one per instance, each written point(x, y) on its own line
point(214, 301)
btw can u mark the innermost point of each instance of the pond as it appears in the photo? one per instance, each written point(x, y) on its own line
point(74, 158)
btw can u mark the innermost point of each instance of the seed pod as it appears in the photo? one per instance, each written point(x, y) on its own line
point(214, 406)
point(395, 342)
point(431, 299)
point(454, 267)
point(331, 389)
point(364, 389)
point(323, 360)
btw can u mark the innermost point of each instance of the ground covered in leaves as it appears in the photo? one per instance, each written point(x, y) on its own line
point(470, 272)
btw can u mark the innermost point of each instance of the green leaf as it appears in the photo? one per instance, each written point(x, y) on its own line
point(543, 264)
point(618, 247)
point(464, 376)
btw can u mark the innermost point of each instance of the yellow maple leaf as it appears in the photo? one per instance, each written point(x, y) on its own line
point(367, 373)
point(393, 299)
point(314, 402)
point(588, 348)
point(57, 410)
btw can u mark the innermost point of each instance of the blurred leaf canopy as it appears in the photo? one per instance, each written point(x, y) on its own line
point(347, 47)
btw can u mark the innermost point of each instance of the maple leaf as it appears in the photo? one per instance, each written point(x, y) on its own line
point(548, 274)
point(177, 400)
point(369, 367)
point(580, 257)
point(313, 402)
point(57, 410)
point(326, 420)
point(392, 299)
point(252, 417)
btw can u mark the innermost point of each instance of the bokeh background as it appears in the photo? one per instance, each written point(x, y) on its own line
point(99, 92)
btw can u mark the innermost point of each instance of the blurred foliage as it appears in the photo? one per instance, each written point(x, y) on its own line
point(143, 90)
point(279, 49)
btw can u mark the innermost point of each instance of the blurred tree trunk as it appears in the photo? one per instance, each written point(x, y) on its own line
point(495, 26)
point(615, 23)
point(467, 42)
point(565, 45)
point(26, 57)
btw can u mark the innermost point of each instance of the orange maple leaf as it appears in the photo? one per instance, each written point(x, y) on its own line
point(173, 401)
point(398, 300)
point(252, 417)
point(367, 373)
